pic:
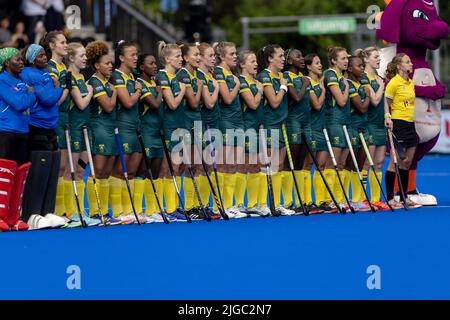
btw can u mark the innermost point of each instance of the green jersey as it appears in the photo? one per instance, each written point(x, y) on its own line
point(376, 113)
point(252, 118)
point(273, 116)
point(208, 115)
point(78, 117)
point(59, 71)
point(298, 111)
point(172, 118)
point(98, 116)
point(228, 112)
point(335, 115)
point(190, 80)
point(126, 117)
point(358, 119)
point(149, 117)
point(317, 117)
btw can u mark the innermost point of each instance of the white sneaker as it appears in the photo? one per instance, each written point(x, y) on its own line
point(237, 214)
point(155, 217)
point(126, 218)
point(55, 220)
point(37, 222)
point(258, 212)
point(285, 212)
point(231, 212)
point(423, 199)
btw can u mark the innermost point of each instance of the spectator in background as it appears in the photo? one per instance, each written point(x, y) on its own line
point(54, 18)
point(34, 11)
point(5, 34)
point(19, 39)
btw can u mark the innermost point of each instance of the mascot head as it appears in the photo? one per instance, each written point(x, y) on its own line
point(412, 23)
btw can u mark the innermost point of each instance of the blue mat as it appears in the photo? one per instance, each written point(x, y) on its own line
point(316, 257)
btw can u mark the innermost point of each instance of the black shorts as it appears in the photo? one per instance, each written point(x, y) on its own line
point(14, 146)
point(405, 132)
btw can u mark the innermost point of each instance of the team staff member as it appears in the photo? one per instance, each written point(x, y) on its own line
point(128, 93)
point(270, 63)
point(55, 45)
point(231, 119)
point(337, 106)
point(40, 191)
point(16, 98)
point(377, 130)
point(399, 117)
point(102, 122)
point(359, 93)
point(252, 102)
point(174, 114)
point(151, 118)
point(318, 144)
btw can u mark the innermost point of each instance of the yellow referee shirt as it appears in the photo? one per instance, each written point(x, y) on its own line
point(402, 94)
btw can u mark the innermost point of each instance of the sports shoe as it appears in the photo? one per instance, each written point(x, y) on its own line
point(423, 199)
point(237, 214)
point(361, 206)
point(90, 222)
point(71, 223)
point(56, 221)
point(381, 206)
point(215, 214)
point(242, 209)
point(109, 221)
point(327, 208)
point(258, 212)
point(177, 216)
point(395, 204)
point(297, 210)
point(126, 218)
point(412, 204)
point(284, 211)
point(37, 222)
point(314, 209)
point(196, 214)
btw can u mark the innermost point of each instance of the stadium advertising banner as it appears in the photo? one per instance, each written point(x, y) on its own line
point(443, 145)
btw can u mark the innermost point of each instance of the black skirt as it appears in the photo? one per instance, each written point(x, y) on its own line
point(405, 132)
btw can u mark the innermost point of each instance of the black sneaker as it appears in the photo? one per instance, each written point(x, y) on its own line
point(297, 210)
point(314, 209)
point(326, 208)
point(196, 214)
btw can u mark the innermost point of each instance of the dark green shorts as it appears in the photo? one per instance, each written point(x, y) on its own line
point(175, 136)
point(152, 143)
point(129, 140)
point(77, 140)
point(63, 121)
point(103, 141)
point(252, 140)
point(377, 136)
point(272, 132)
point(318, 142)
point(354, 136)
point(337, 137)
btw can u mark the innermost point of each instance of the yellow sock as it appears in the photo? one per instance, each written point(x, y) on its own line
point(220, 179)
point(115, 196)
point(319, 187)
point(151, 206)
point(204, 189)
point(169, 191)
point(228, 192)
point(92, 200)
point(189, 193)
point(60, 209)
point(126, 201)
point(299, 176)
point(346, 180)
point(287, 183)
point(307, 187)
point(80, 190)
point(69, 202)
point(262, 192)
point(175, 196)
point(241, 185)
point(103, 194)
point(277, 178)
point(252, 189)
point(375, 191)
point(138, 192)
point(332, 180)
point(356, 187)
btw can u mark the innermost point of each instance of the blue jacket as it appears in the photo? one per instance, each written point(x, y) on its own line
point(45, 113)
point(15, 103)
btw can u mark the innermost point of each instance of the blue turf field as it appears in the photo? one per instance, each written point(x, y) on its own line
point(321, 256)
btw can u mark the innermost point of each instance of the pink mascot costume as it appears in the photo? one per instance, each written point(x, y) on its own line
point(415, 26)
